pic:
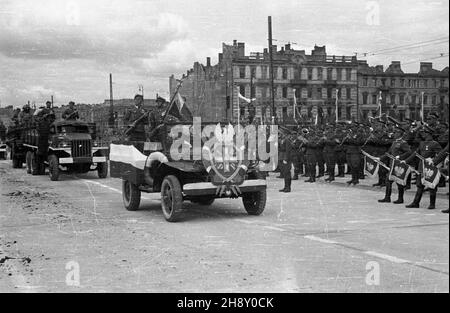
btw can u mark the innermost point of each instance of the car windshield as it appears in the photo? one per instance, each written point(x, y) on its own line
point(73, 129)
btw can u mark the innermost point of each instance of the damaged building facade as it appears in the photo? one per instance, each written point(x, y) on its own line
point(316, 82)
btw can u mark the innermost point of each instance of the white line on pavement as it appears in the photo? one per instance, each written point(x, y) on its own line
point(318, 239)
point(387, 257)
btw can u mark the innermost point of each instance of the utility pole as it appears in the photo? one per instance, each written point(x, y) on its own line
point(271, 70)
point(52, 100)
point(111, 106)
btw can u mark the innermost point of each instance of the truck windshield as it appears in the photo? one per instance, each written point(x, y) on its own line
point(73, 129)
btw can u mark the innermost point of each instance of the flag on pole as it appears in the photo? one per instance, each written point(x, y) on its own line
point(422, 108)
point(337, 105)
point(295, 103)
point(380, 99)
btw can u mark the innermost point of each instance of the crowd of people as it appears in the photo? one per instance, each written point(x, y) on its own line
point(338, 150)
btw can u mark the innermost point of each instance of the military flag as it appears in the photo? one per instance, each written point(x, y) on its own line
point(372, 164)
point(430, 175)
point(399, 172)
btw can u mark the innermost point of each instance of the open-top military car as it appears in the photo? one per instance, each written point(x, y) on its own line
point(71, 147)
point(199, 181)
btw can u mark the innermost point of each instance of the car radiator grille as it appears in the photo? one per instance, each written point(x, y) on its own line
point(81, 148)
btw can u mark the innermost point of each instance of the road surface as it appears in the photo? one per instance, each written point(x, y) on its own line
point(74, 235)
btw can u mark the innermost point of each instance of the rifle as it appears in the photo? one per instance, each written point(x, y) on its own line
point(136, 122)
point(70, 115)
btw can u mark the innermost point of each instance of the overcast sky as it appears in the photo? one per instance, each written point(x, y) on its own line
point(68, 48)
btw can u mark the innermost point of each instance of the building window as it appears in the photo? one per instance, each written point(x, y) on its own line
point(242, 72)
point(365, 81)
point(374, 99)
point(285, 73)
point(349, 74)
point(264, 71)
point(365, 97)
point(339, 74)
point(319, 74)
point(284, 92)
point(393, 82)
point(329, 93)
point(319, 93)
point(349, 93)
point(433, 100)
point(425, 99)
point(374, 82)
point(414, 99)
point(309, 93)
point(329, 74)
point(310, 75)
point(392, 100)
point(402, 83)
point(348, 112)
point(253, 72)
point(402, 99)
point(425, 83)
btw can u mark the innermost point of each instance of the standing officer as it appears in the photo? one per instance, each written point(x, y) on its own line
point(25, 117)
point(428, 148)
point(136, 121)
point(339, 150)
point(330, 144)
point(354, 141)
point(71, 112)
point(286, 162)
point(319, 153)
point(310, 155)
point(400, 150)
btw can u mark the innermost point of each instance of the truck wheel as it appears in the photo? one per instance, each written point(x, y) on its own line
point(204, 200)
point(131, 195)
point(254, 202)
point(53, 167)
point(28, 161)
point(102, 170)
point(171, 198)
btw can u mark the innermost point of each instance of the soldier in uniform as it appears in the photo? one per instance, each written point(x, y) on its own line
point(156, 117)
point(340, 150)
point(399, 149)
point(310, 154)
point(354, 141)
point(25, 117)
point(71, 112)
point(286, 162)
point(15, 118)
point(135, 119)
point(330, 142)
point(441, 157)
point(319, 153)
point(428, 148)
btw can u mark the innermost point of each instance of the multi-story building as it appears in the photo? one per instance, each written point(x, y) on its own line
point(402, 94)
point(311, 81)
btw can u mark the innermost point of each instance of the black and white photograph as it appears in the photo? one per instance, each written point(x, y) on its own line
point(224, 152)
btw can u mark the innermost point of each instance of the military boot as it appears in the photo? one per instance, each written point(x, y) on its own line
point(401, 192)
point(432, 205)
point(387, 196)
point(417, 198)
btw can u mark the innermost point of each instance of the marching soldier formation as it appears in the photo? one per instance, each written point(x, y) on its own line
point(317, 150)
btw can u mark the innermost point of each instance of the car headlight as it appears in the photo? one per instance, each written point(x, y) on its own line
point(63, 144)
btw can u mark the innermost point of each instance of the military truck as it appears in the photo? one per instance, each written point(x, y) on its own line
point(72, 147)
point(154, 170)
